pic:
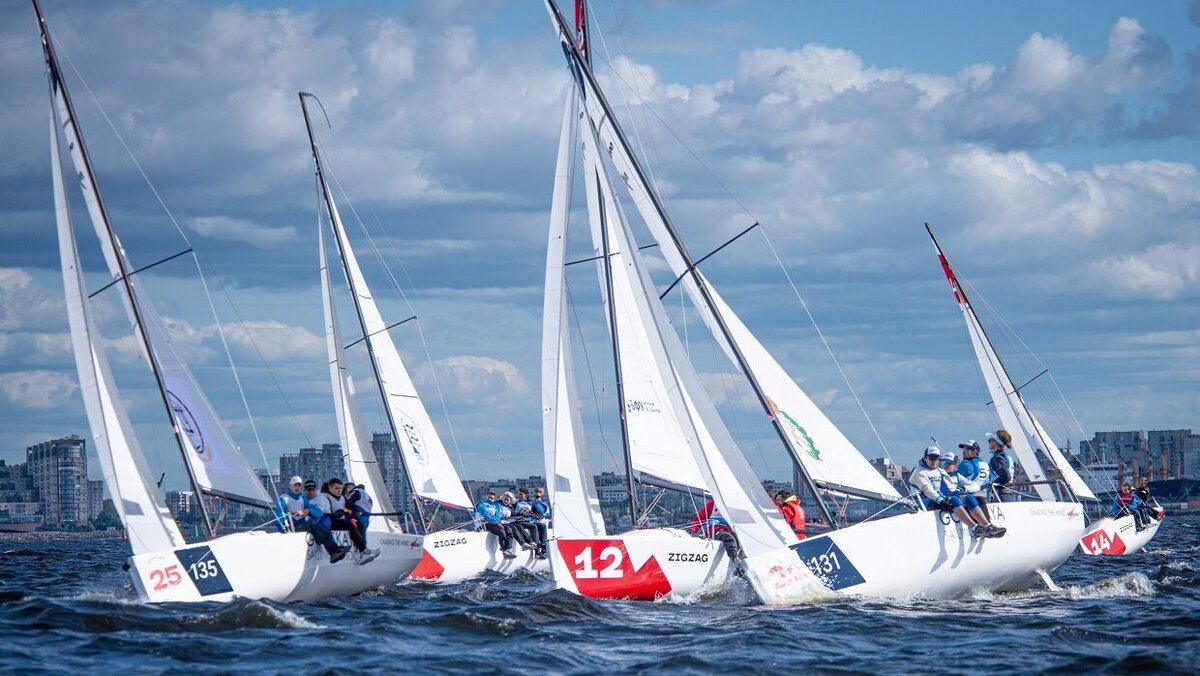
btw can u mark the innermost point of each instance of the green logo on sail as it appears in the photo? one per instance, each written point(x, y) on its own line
point(810, 447)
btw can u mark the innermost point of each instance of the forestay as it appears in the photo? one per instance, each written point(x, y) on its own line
point(1007, 400)
point(432, 474)
point(576, 507)
point(215, 462)
point(813, 440)
point(147, 521)
point(362, 467)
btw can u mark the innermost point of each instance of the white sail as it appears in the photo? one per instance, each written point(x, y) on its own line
point(1013, 414)
point(576, 507)
point(723, 469)
point(146, 518)
point(1078, 486)
point(813, 440)
point(214, 459)
point(657, 447)
point(362, 467)
point(429, 468)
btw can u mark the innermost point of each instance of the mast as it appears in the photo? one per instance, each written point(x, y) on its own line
point(606, 257)
point(693, 271)
point(57, 84)
point(358, 312)
point(960, 293)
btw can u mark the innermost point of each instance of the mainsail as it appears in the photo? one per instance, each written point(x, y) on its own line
point(362, 467)
point(1014, 414)
point(430, 471)
point(146, 518)
point(826, 455)
point(576, 507)
point(214, 462)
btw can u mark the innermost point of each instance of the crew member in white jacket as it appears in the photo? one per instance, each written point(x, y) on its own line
point(940, 491)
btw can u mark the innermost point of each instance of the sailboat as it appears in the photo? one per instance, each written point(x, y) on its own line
point(920, 553)
point(449, 555)
point(163, 566)
point(1104, 537)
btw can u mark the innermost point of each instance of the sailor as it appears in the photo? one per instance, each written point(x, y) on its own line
point(792, 511)
point(513, 523)
point(709, 523)
point(929, 479)
point(339, 519)
point(1127, 502)
point(316, 513)
point(1150, 508)
point(953, 488)
point(1000, 466)
point(974, 474)
point(493, 522)
point(530, 521)
point(359, 506)
point(541, 504)
point(289, 506)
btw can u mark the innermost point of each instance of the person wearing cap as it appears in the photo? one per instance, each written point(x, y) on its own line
point(526, 518)
point(316, 513)
point(1000, 466)
point(289, 506)
point(930, 480)
point(974, 474)
point(1127, 502)
point(792, 511)
point(953, 488)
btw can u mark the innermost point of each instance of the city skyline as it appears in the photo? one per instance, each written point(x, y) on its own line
point(1067, 200)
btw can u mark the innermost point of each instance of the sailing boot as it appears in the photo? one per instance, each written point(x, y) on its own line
point(994, 531)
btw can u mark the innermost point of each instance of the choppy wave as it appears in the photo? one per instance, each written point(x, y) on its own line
point(1110, 614)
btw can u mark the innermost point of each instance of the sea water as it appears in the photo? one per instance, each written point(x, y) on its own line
point(66, 605)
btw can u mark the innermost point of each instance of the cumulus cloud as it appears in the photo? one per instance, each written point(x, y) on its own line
point(239, 230)
point(477, 381)
point(37, 390)
point(1165, 272)
point(24, 304)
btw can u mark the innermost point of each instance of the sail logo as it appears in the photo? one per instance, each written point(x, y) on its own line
point(645, 406)
point(795, 432)
point(187, 422)
point(414, 441)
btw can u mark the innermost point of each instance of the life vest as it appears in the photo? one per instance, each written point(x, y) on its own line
point(793, 513)
point(490, 511)
point(1125, 499)
point(542, 507)
point(523, 508)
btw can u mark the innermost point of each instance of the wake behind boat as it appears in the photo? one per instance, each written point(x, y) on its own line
point(163, 567)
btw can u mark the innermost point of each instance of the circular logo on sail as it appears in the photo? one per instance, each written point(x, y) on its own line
point(187, 423)
point(797, 434)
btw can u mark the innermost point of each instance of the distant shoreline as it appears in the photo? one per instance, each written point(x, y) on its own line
point(42, 535)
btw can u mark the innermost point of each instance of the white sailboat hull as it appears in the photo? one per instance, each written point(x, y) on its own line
point(277, 566)
point(1116, 537)
point(932, 555)
point(454, 556)
point(642, 565)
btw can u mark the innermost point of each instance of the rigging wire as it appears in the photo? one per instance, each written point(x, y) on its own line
point(195, 258)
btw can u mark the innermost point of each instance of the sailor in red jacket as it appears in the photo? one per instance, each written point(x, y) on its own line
point(792, 511)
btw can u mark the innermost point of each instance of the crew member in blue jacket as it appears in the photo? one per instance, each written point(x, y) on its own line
point(1126, 501)
point(493, 522)
point(541, 504)
point(1001, 466)
point(527, 518)
point(359, 505)
point(974, 475)
point(289, 506)
point(317, 510)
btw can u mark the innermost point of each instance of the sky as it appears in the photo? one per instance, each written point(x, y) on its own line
point(1052, 147)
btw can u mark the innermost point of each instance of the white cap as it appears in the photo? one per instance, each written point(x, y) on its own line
point(948, 458)
point(933, 450)
point(296, 480)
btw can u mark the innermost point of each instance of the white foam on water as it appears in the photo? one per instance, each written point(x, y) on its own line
point(1126, 586)
point(291, 619)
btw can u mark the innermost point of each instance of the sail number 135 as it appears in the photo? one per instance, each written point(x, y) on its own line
point(610, 555)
